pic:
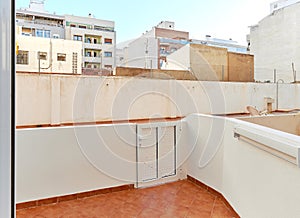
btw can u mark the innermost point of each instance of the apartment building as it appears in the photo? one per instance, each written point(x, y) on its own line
point(36, 21)
point(150, 50)
point(50, 56)
point(274, 42)
point(97, 37)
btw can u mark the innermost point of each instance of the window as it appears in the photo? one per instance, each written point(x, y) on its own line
point(88, 54)
point(42, 55)
point(77, 38)
point(95, 54)
point(22, 57)
point(107, 41)
point(55, 36)
point(95, 41)
point(61, 57)
point(108, 66)
point(107, 54)
point(39, 33)
point(72, 25)
point(82, 26)
point(42, 33)
point(47, 33)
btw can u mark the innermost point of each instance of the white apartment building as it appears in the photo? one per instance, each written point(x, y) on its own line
point(39, 23)
point(98, 37)
point(150, 50)
point(274, 42)
point(50, 56)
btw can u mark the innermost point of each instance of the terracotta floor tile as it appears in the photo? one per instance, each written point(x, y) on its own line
point(180, 199)
point(221, 210)
point(148, 212)
point(198, 214)
point(202, 205)
point(177, 211)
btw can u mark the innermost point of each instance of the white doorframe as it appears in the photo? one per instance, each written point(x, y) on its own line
point(156, 153)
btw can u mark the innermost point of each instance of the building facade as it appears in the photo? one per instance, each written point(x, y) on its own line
point(211, 63)
point(50, 56)
point(274, 42)
point(97, 37)
point(281, 4)
point(40, 24)
point(150, 50)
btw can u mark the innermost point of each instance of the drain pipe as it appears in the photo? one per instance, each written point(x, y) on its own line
point(277, 86)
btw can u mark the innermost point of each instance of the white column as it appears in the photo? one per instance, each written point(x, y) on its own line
point(6, 72)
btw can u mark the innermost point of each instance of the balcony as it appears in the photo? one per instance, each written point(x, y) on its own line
point(92, 59)
point(92, 46)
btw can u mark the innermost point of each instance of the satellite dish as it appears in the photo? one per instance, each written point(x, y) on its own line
point(252, 110)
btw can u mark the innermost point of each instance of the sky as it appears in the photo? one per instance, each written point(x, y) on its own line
point(218, 18)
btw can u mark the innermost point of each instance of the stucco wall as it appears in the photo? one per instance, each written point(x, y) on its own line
point(171, 34)
point(179, 60)
point(155, 73)
point(275, 44)
point(55, 162)
point(209, 63)
point(142, 52)
point(256, 183)
point(240, 67)
point(285, 123)
point(59, 99)
point(52, 47)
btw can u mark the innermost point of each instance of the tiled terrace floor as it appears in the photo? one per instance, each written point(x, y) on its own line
point(178, 199)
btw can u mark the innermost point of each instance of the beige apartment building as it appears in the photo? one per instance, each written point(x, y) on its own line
point(50, 56)
point(97, 37)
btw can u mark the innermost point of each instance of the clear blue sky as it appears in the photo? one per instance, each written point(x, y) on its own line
point(218, 18)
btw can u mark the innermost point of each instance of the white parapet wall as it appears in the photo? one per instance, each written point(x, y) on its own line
point(59, 161)
point(289, 123)
point(52, 162)
point(256, 181)
point(60, 99)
